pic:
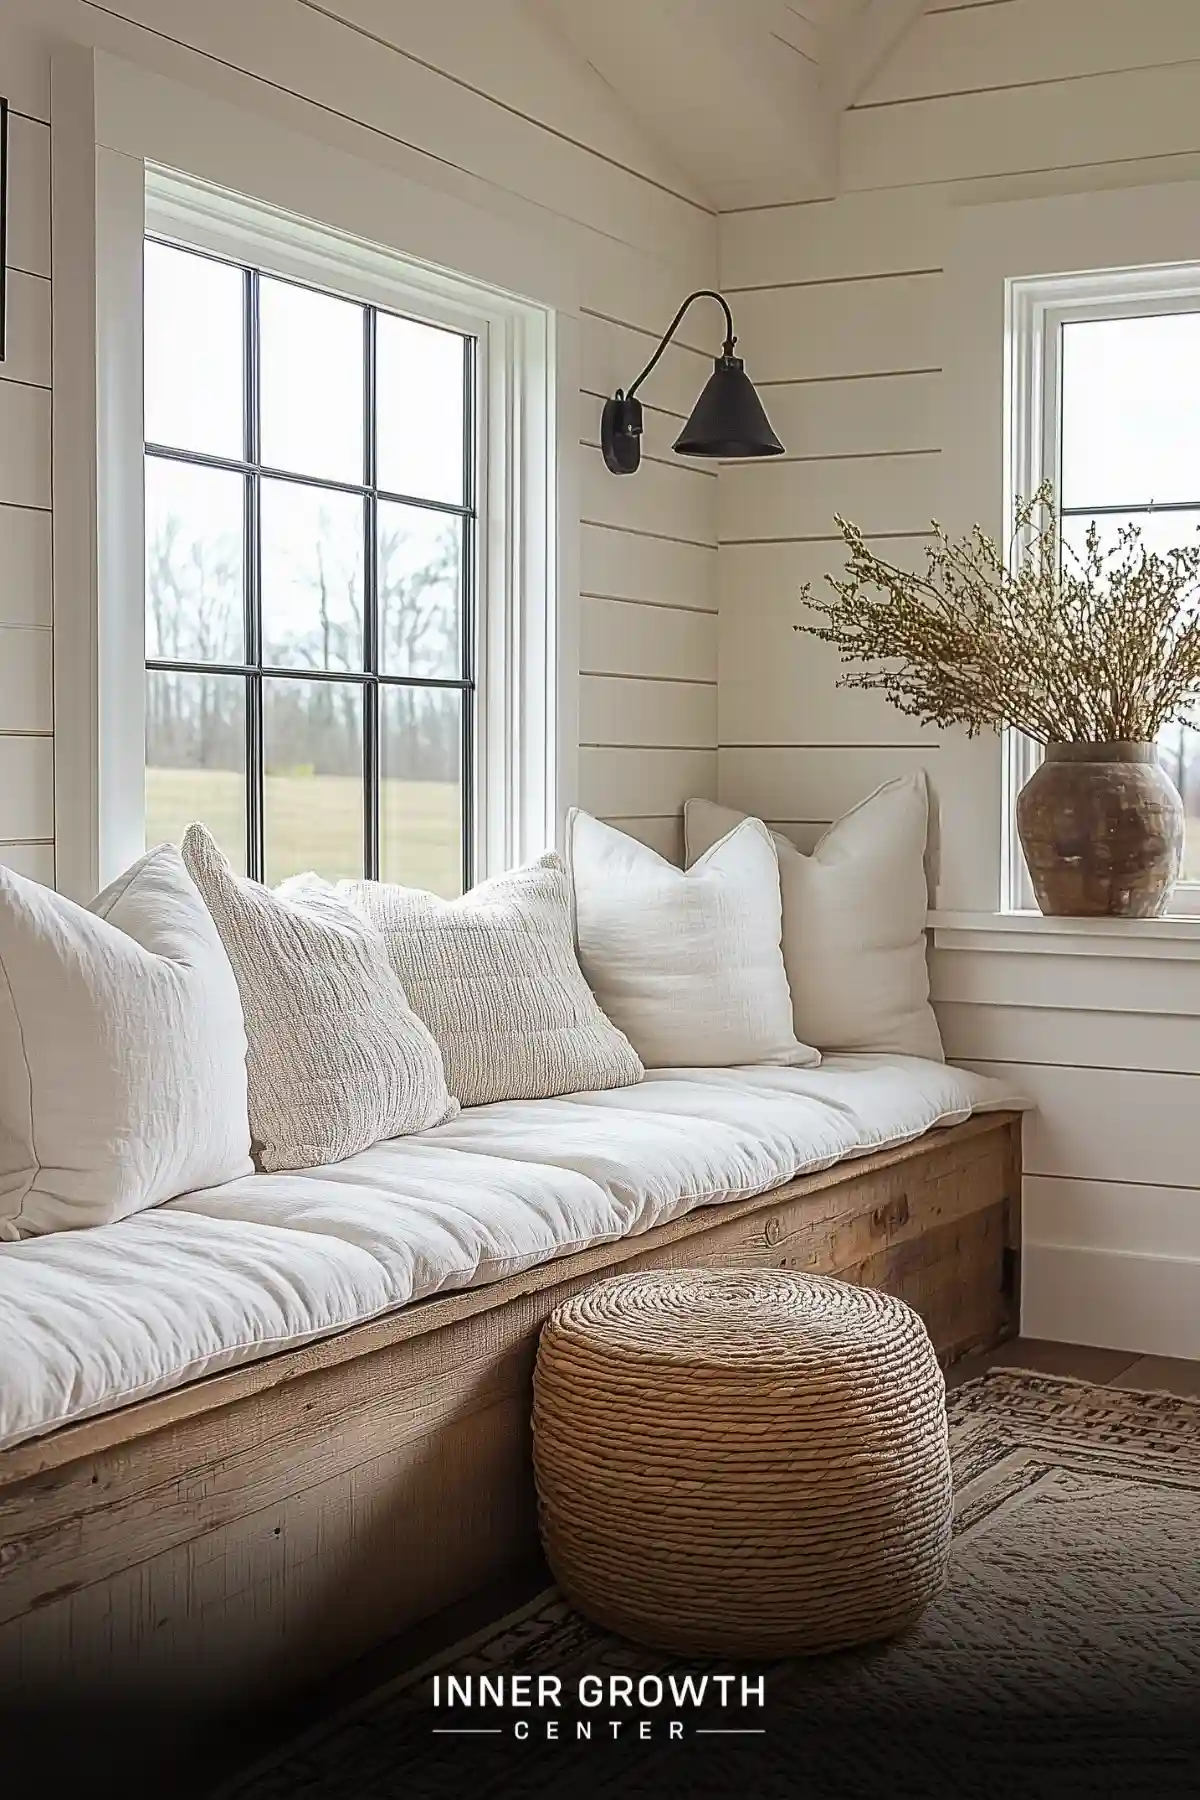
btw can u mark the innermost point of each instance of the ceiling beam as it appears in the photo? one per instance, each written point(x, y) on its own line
point(858, 50)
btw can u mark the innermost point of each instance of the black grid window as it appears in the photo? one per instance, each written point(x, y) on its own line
point(310, 576)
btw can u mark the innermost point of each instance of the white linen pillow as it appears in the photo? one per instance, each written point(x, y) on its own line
point(337, 1059)
point(853, 921)
point(122, 1050)
point(686, 963)
point(495, 977)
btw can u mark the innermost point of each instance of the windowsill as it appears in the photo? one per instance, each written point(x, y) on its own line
point(1175, 937)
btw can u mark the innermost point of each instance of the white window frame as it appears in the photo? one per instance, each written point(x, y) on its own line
point(512, 356)
point(1036, 310)
point(374, 220)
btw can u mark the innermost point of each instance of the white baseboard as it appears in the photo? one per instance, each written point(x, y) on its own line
point(1113, 1299)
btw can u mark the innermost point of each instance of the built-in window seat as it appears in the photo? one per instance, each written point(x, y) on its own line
point(253, 1431)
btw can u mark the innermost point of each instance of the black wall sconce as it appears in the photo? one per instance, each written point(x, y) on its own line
point(727, 420)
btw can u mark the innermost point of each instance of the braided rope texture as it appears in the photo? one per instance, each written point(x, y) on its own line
point(740, 1462)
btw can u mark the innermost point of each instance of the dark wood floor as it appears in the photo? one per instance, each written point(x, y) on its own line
point(1108, 1368)
point(1115, 1368)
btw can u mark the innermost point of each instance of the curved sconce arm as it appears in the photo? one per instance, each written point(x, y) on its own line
point(673, 327)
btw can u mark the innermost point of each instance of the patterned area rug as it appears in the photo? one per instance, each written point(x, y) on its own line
point(1062, 1659)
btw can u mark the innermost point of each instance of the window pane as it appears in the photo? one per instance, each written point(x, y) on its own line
point(1179, 745)
point(311, 357)
point(1179, 749)
point(1131, 411)
point(194, 562)
point(313, 789)
point(421, 406)
point(312, 577)
point(420, 592)
point(420, 808)
point(196, 758)
point(194, 349)
point(1161, 531)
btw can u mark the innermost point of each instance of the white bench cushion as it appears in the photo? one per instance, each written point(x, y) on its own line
point(92, 1320)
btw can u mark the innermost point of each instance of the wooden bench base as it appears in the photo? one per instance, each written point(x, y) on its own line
point(249, 1533)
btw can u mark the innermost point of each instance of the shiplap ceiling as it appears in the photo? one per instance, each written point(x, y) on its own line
point(745, 95)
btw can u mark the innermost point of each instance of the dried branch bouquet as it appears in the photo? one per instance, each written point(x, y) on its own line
point(1098, 647)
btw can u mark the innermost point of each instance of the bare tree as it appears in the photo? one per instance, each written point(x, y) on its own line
point(193, 593)
point(194, 607)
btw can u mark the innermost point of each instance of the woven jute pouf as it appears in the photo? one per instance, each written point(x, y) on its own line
point(742, 1463)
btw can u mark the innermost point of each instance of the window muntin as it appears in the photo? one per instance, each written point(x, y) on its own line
point(310, 628)
point(1125, 445)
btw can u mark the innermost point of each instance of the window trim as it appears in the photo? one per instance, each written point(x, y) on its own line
point(119, 119)
point(1036, 308)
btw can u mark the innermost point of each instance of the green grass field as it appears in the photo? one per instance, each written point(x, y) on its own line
point(315, 822)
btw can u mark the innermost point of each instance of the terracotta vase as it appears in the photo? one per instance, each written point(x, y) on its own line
point(1101, 826)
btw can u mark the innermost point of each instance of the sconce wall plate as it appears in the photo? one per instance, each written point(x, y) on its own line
point(621, 434)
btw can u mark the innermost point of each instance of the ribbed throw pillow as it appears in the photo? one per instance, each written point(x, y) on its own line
point(687, 963)
point(122, 1053)
point(853, 922)
point(337, 1059)
point(495, 977)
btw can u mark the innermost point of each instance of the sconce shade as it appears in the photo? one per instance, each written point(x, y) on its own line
point(728, 419)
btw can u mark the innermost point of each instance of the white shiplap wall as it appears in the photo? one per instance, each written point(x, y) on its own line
point(26, 668)
point(839, 307)
point(473, 99)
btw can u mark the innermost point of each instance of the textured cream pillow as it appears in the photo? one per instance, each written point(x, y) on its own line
point(853, 922)
point(337, 1059)
point(495, 977)
point(687, 964)
point(122, 1053)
